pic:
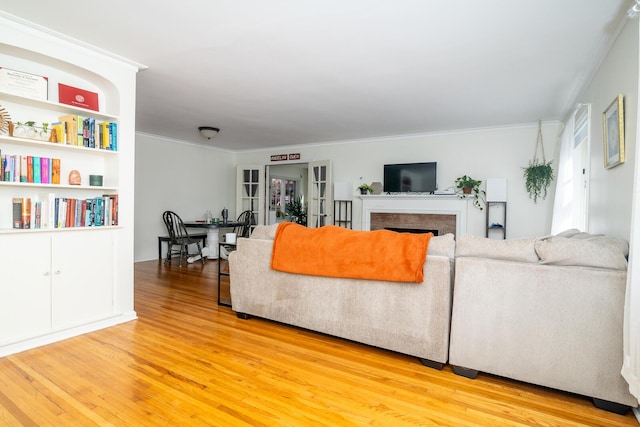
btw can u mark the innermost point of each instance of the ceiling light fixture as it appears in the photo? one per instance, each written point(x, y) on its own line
point(635, 10)
point(208, 131)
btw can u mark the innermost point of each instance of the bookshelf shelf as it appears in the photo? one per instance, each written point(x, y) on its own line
point(57, 186)
point(55, 107)
point(6, 139)
point(56, 230)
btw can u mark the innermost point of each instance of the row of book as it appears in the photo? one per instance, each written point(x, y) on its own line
point(50, 211)
point(80, 131)
point(40, 170)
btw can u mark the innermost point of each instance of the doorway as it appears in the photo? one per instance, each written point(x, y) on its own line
point(286, 186)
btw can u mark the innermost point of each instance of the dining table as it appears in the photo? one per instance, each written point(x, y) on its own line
point(213, 237)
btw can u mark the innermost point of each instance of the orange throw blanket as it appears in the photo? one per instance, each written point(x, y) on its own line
point(333, 251)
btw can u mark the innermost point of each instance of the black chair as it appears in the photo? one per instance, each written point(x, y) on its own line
point(178, 236)
point(246, 221)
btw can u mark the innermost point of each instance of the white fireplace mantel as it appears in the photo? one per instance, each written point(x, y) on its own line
point(422, 204)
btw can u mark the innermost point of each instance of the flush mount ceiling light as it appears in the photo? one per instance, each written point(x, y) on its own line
point(208, 131)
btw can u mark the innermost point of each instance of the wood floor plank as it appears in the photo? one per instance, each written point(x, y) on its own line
point(187, 361)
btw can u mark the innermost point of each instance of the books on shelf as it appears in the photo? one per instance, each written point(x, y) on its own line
point(55, 171)
point(89, 132)
point(48, 211)
point(17, 212)
point(29, 169)
point(22, 212)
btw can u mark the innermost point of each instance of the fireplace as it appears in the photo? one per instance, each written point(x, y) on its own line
point(441, 214)
point(439, 224)
point(411, 230)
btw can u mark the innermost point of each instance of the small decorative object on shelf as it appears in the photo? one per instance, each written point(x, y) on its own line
point(95, 180)
point(376, 188)
point(74, 178)
point(77, 97)
point(5, 120)
point(29, 130)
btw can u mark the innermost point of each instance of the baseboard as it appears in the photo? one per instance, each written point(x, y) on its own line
point(636, 412)
point(41, 340)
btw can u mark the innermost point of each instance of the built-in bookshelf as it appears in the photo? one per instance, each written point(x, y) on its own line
point(38, 170)
point(71, 270)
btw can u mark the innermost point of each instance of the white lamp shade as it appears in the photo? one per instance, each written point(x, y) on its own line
point(342, 191)
point(496, 189)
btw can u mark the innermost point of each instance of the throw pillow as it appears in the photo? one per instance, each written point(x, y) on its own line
point(519, 250)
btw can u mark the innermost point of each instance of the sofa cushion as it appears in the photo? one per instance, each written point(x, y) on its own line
point(519, 250)
point(444, 245)
point(583, 249)
point(265, 232)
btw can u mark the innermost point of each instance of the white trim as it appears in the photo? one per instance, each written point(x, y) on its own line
point(71, 40)
point(28, 344)
point(421, 204)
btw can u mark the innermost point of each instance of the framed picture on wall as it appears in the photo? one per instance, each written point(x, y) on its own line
point(613, 133)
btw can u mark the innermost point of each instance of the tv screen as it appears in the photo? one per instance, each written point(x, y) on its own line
point(410, 178)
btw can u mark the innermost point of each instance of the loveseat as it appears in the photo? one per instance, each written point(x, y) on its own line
point(547, 311)
point(409, 318)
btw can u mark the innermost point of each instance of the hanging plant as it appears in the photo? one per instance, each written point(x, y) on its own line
point(538, 175)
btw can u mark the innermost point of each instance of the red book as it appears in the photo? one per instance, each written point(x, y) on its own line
point(77, 97)
point(29, 169)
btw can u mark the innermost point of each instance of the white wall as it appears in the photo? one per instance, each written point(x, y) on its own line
point(482, 154)
point(173, 175)
point(610, 194)
point(193, 178)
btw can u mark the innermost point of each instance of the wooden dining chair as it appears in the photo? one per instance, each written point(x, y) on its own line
point(179, 239)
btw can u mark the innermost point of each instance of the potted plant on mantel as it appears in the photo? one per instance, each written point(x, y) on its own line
point(365, 189)
point(469, 187)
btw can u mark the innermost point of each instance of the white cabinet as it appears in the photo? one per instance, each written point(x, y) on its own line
point(81, 277)
point(54, 281)
point(25, 291)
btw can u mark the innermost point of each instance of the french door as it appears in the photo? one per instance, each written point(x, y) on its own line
point(250, 191)
point(320, 208)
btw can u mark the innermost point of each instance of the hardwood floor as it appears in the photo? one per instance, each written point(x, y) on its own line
point(188, 362)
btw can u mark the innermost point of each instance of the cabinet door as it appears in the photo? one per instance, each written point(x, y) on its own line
point(82, 277)
point(25, 292)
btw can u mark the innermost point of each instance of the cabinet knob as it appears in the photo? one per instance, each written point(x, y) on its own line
point(57, 271)
point(46, 273)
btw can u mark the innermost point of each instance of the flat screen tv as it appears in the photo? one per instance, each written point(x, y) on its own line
point(410, 178)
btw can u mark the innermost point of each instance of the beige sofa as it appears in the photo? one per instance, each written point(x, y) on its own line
point(546, 311)
point(410, 318)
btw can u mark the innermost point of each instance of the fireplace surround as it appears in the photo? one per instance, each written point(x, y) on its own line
point(444, 213)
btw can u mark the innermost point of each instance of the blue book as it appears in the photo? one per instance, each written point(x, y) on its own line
point(36, 170)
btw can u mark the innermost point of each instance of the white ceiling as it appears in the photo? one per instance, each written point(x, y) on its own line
point(282, 72)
